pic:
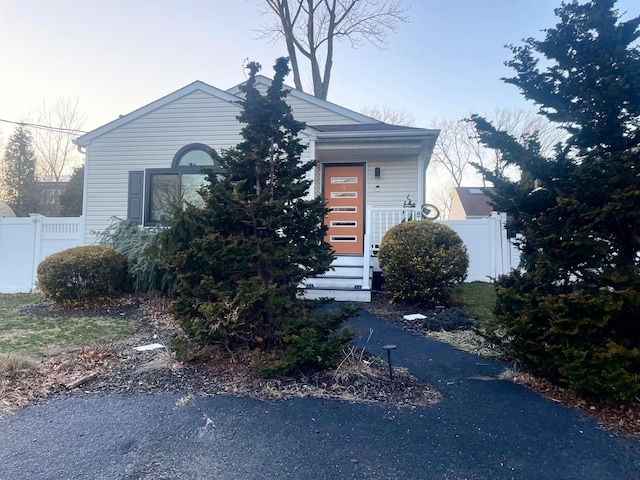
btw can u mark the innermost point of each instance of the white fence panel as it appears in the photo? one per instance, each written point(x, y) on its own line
point(491, 253)
point(17, 242)
point(26, 241)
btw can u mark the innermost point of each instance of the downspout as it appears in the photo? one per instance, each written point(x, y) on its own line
point(83, 217)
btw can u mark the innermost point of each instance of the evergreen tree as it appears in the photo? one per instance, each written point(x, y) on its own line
point(239, 260)
point(19, 169)
point(572, 313)
point(71, 196)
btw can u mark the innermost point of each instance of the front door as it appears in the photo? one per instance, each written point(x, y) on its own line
point(344, 192)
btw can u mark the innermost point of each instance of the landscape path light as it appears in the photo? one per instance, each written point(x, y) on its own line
point(388, 348)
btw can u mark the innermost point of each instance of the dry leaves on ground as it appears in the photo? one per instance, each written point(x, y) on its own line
point(360, 378)
point(121, 369)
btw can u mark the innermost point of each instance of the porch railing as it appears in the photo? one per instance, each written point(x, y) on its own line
point(379, 220)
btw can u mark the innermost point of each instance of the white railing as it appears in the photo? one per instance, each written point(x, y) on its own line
point(26, 241)
point(379, 220)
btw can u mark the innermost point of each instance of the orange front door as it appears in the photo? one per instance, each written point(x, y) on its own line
point(344, 192)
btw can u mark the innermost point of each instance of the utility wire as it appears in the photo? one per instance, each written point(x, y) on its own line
point(45, 127)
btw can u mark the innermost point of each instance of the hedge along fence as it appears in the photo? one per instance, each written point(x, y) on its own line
point(82, 274)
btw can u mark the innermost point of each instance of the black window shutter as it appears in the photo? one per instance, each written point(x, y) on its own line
point(134, 205)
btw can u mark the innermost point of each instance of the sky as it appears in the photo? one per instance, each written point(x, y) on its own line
point(115, 56)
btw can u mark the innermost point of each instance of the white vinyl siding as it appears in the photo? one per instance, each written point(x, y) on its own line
point(151, 141)
point(397, 180)
point(313, 114)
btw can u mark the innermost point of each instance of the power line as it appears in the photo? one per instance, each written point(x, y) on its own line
point(46, 127)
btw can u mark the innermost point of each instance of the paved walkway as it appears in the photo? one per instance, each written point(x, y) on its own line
point(483, 429)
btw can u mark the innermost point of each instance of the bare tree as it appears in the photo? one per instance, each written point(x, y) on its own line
point(441, 196)
point(55, 126)
point(454, 149)
point(311, 27)
point(389, 115)
point(457, 149)
point(520, 123)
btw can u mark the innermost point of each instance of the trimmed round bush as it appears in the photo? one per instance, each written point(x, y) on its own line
point(422, 261)
point(81, 274)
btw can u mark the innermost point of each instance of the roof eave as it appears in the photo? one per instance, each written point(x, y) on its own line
point(396, 135)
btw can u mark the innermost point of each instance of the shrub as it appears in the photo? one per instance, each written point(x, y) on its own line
point(422, 261)
point(82, 274)
point(137, 244)
point(238, 260)
point(581, 338)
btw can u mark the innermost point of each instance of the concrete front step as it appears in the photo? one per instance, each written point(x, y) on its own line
point(339, 295)
point(342, 283)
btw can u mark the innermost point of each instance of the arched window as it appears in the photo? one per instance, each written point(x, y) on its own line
point(167, 188)
point(194, 155)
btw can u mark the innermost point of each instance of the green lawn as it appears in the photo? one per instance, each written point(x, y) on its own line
point(478, 299)
point(34, 336)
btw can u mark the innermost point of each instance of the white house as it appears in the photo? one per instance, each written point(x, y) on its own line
point(371, 173)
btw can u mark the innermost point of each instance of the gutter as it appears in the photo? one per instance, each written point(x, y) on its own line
point(377, 134)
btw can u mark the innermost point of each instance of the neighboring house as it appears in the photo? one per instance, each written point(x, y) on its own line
point(469, 203)
point(6, 210)
point(137, 165)
point(48, 194)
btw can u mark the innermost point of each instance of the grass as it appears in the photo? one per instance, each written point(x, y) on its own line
point(34, 337)
point(478, 299)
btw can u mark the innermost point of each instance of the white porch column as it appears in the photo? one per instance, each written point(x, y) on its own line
point(366, 254)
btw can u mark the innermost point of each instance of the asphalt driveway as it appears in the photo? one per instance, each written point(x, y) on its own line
point(483, 429)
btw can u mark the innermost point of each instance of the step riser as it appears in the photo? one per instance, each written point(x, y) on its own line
point(345, 261)
point(344, 272)
point(338, 295)
point(340, 283)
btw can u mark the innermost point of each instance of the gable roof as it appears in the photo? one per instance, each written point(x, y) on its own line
point(85, 139)
point(358, 117)
point(366, 126)
point(475, 201)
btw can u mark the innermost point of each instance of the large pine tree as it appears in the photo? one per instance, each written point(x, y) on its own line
point(572, 313)
point(19, 167)
point(239, 259)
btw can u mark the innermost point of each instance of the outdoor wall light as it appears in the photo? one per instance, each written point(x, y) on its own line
point(377, 188)
point(377, 172)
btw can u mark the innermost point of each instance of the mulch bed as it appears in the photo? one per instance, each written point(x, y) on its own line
point(120, 369)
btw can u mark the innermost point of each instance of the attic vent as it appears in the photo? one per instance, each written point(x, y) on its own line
point(475, 191)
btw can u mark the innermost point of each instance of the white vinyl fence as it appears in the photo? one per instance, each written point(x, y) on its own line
point(26, 241)
point(491, 253)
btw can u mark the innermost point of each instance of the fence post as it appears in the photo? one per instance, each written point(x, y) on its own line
point(37, 246)
point(505, 245)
